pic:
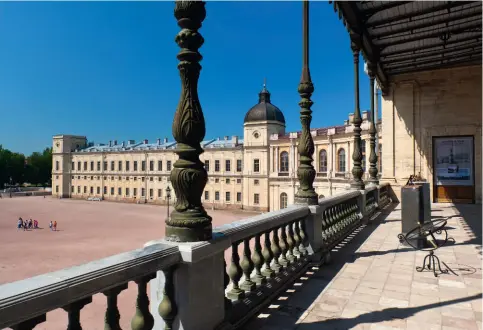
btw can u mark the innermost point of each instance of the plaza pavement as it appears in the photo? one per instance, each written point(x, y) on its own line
point(86, 231)
point(372, 283)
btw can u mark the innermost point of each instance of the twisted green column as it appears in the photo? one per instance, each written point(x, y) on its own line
point(306, 172)
point(189, 221)
point(372, 129)
point(357, 171)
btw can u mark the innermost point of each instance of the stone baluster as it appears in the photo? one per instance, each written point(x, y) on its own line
point(296, 240)
point(112, 316)
point(30, 324)
point(73, 313)
point(284, 247)
point(226, 282)
point(357, 171)
point(290, 243)
point(167, 309)
point(189, 221)
point(268, 257)
point(303, 237)
point(277, 267)
point(142, 319)
point(247, 266)
point(258, 260)
point(235, 272)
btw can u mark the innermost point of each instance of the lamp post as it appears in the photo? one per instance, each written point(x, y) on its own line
point(11, 187)
point(168, 197)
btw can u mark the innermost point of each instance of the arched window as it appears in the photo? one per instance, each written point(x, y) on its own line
point(323, 161)
point(341, 160)
point(284, 161)
point(283, 200)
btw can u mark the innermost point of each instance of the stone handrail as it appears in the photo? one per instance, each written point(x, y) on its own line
point(24, 304)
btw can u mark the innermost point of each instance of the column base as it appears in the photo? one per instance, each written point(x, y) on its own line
point(312, 200)
point(187, 234)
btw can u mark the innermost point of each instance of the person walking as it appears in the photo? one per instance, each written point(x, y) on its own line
point(19, 223)
point(55, 225)
point(51, 225)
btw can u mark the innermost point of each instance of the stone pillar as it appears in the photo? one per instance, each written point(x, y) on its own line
point(357, 172)
point(305, 171)
point(372, 130)
point(277, 160)
point(198, 279)
point(189, 221)
point(330, 157)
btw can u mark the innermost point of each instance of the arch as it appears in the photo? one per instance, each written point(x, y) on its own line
point(323, 160)
point(283, 200)
point(341, 160)
point(283, 161)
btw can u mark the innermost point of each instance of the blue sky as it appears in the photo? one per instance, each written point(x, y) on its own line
point(108, 70)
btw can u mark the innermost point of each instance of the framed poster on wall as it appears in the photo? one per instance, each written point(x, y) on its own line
point(453, 161)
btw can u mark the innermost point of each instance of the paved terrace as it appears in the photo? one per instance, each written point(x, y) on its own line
point(372, 282)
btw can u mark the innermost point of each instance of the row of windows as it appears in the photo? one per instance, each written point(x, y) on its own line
point(227, 196)
point(120, 178)
point(127, 191)
point(127, 165)
point(239, 166)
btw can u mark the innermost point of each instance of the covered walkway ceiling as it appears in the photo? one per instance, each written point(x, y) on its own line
point(408, 36)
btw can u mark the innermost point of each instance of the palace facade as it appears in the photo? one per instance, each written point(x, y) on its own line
point(258, 172)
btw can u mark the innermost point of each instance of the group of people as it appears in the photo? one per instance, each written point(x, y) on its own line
point(33, 224)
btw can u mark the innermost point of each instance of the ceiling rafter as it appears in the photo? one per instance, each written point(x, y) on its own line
point(392, 4)
point(416, 63)
point(411, 69)
point(450, 5)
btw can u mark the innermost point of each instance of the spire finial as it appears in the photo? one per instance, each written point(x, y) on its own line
point(265, 82)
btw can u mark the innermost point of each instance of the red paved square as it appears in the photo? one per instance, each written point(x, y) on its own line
point(86, 231)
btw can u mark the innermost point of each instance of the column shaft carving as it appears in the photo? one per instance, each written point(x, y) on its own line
point(372, 130)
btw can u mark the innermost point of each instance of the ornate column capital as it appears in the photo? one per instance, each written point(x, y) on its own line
point(189, 221)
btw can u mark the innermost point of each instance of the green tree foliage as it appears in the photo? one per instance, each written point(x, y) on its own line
point(17, 169)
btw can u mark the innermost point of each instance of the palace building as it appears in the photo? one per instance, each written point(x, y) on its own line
point(258, 172)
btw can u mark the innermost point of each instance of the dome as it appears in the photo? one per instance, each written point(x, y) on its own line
point(264, 110)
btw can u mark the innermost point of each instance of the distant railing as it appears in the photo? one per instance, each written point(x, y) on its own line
point(202, 285)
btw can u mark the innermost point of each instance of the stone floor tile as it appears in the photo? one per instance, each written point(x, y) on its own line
point(430, 315)
point(366, 290)
point(478, 316)
point(372, 284)
point(337, 293)
point(451, 284)
point(344, 284)
point(397, 288)
point(331, 303)
point(396, 295)
point(418, 325)
point(479, 324)
point(459, 323)
point(365, 298)
point(391, 302)
point(476, 304)
point(390, 324)
point(458, 313)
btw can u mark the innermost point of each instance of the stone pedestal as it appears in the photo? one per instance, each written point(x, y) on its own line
point(198, 286)
point(426, 199)
point(313, 228)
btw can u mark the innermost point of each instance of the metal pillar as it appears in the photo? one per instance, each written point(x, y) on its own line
point(306, 172)
point(372, 129)
point(189, 221)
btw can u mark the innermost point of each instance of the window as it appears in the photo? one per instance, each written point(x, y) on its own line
point(227, 181)
point(227, 165)
point(256, 165)
point(105, 190)
point(341, 160)
point(151, 193)
point(85, 166)
point(238, 180)
point(92, 166)
point(238, 196)
point(98, 190)
point(73, 166)
point(217, 180)
point(135, 178)
point(119, 165)
point(217, 195)
point(238, 165)
point(112, 165)
point(85, 189)
point(56, 165)
point(323, 161)
point(160, 193)
point(72, 189)
point(151, 179)
point(92, 178)
point(256, 182)
point(105, 166)
point(119, 191)
point(363, 152)
point(160, 165)
point(217, 166)
point(135, 165)
point(56, 189)
point(143, 192)
point(127, 192)
point(127, 165)
point(135, 192)
point(112, 191)
point(168, 165)
point(283, 200)
point(207, 165)
point(78, 166)
point(92, 190)
point(284, 161)
point(151, 165)
point(143, 165)
point(99, 166)
point(256, 199)
point(207, 195)
point(227, 196)
point(78, 189)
